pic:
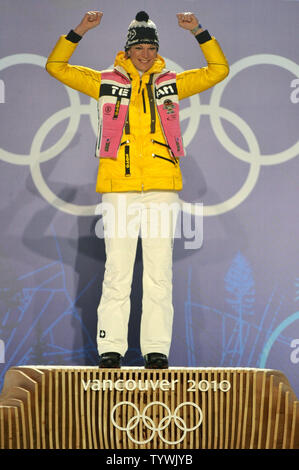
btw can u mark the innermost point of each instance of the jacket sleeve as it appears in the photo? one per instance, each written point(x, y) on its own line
point(195, 81)
point(80, 78)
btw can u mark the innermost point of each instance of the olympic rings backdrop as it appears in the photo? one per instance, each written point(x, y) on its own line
point(236, 298)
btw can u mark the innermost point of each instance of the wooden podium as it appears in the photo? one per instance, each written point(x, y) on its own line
point(57, 407)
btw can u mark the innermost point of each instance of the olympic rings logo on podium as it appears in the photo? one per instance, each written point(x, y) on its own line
point(216, 112)
point(148, 422)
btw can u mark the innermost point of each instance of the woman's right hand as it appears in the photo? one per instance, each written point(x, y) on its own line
point(90, 20)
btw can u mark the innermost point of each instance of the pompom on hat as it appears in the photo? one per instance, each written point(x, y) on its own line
point(142, 31)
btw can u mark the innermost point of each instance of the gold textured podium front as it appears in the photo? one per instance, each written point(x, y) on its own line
point(57, 407)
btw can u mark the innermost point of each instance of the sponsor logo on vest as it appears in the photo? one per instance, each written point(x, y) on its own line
point(165, 91)
point(119, 91)
point(109, 89)
point(107, 109)
point(169, 106)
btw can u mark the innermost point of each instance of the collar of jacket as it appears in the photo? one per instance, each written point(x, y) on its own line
point(130, 70)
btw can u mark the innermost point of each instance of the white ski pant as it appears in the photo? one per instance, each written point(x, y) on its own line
point(153, 216)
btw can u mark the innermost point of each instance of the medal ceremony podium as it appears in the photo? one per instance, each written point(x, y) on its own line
point(63, 407)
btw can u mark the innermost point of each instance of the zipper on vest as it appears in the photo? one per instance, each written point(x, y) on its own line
point(151, 103)
point(140, 83)
point(160, 143)
point(167, 146)
point(143, 99)
point(164, 158)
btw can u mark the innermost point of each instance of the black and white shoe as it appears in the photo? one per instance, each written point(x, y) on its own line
point(156, 361)
point(110, 360)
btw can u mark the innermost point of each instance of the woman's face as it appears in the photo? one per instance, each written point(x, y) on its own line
point(143, 56)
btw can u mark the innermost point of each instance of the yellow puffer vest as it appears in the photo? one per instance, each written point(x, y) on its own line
point(147, 172)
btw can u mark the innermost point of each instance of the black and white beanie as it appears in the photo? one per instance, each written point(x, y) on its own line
point(142, 31)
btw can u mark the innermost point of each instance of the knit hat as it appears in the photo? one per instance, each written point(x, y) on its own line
point(142, 31)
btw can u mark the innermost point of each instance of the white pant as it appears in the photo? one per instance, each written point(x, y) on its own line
point(133, 212)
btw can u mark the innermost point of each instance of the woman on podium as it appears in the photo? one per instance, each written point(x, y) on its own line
point(139, 145)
